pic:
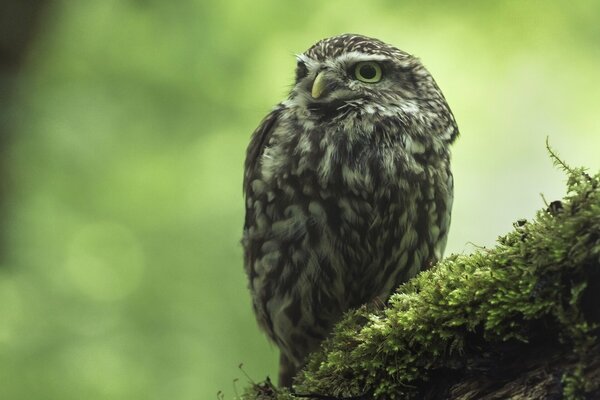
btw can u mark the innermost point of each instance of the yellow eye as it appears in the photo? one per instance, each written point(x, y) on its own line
point(367, 71)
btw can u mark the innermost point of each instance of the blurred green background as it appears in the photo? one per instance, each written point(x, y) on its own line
point(124, 136)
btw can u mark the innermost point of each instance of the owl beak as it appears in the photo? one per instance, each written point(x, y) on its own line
point(318, 86)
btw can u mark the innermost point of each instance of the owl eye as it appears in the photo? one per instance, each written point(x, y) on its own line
point(367, 71)
point(301, 71)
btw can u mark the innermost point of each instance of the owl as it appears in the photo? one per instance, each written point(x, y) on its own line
point(348, 190)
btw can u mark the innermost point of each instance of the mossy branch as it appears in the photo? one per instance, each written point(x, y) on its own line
point(520, 320)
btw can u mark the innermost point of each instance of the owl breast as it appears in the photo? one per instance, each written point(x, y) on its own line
point(342, 216)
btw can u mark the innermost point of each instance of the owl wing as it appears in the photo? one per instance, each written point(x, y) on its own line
point(258, 142)
point(259, 139)
point(256, 148)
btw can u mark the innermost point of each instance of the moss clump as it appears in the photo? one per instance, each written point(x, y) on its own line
point(476, 313)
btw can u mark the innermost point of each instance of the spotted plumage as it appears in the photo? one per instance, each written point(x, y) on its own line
point(348, 189)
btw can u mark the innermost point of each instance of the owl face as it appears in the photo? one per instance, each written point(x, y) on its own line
point(354, 76)
point(357, 70)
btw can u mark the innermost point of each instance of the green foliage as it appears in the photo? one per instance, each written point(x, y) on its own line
point(122, 276)
point(528, 289)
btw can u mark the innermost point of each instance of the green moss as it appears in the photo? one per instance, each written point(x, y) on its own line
point(528, 289)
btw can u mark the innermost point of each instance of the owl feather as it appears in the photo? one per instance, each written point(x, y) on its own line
point(348, 190)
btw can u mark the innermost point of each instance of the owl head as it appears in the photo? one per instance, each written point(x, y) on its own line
point(356, 76)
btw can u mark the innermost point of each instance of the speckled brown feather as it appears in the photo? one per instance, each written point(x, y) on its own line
point(347, 196)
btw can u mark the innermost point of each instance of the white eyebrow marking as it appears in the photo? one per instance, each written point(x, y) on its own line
point(356, 56)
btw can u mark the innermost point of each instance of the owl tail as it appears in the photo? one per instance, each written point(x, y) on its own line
point(287, 371)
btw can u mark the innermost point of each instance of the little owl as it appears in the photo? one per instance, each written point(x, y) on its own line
point(348, 190)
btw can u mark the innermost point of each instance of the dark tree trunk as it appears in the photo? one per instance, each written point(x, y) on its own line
point(20, 22)
point(531, 374)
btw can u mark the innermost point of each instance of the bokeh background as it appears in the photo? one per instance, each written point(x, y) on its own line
point(124, 126)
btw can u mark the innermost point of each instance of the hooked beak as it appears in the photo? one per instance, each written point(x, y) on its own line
point(319, 85)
